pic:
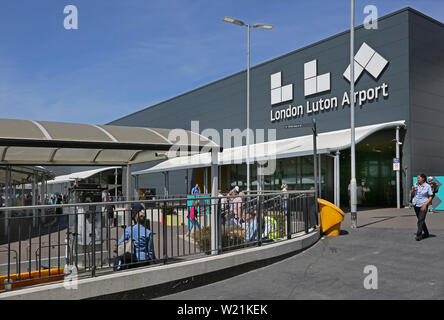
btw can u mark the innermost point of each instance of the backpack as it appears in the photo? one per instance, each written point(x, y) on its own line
point(435, 187)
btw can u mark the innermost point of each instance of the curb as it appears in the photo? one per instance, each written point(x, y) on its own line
point(152, 282)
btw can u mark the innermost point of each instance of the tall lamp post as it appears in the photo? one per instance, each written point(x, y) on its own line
point(353, 191)
point(256, 26)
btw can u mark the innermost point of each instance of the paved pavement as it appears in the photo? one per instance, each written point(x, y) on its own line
point(334, 267)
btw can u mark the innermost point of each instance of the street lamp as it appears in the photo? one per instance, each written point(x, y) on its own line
point(256, 26)
point(353, 187)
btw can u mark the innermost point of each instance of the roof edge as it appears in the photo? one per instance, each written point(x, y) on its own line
point(405, 9)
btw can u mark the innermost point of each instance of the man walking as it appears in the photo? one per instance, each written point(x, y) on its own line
point(422, 196)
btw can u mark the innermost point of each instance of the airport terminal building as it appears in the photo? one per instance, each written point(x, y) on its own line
point(399, 85)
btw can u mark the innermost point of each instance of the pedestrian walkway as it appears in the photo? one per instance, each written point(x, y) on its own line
point(334, 267)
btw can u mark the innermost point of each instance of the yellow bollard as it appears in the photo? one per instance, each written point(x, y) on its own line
point(331, 218)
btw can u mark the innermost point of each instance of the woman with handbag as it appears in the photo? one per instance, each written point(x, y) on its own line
point(136, 244)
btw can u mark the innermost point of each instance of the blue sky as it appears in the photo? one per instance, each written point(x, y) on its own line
point(130, 54)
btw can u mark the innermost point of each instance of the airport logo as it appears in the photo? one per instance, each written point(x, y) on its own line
point(369, 60)
point(313, 83)
point(366, 59)
point(280, 93)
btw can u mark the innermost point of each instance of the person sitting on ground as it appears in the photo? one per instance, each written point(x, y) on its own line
point(142, 239)
point(231, 221)
point(251, 231)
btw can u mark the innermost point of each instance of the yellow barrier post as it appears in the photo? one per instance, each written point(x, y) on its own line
point(331, 218)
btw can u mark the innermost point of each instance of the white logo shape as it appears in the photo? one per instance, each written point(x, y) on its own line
point(367, 59)
point(312, 82)
point(280, 93)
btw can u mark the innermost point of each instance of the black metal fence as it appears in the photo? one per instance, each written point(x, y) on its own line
point(40, 243)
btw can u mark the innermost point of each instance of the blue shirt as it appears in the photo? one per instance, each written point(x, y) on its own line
point(251, 234)
point(194, 190)
point(142, 244)
point(422, 194)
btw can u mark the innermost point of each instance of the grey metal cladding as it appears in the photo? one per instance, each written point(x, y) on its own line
point(411, 42)
point(427, 95)
point(222, 104)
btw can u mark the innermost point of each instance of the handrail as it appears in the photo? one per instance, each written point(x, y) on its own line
point(170, 239)
point(70, 205)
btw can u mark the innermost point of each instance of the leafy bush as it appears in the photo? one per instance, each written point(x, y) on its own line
point(169, 210)
point(233, 237)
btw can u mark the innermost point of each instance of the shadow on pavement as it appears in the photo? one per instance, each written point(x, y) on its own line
point(27, 229)
point(368, 224)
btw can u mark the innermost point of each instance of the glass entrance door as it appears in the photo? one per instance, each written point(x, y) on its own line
point(375, 177)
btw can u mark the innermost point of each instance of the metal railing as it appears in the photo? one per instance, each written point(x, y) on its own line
point(87, 235)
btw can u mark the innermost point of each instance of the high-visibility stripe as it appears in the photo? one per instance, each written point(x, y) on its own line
point(273, 235)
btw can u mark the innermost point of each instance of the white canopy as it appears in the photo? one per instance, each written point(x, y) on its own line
point(79, 175)
point(24, 142)
point(24, 174)
point(293, 147)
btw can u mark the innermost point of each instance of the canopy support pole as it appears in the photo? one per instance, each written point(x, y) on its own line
point(128, 195)
point(205, 180)
point(337, 175)
point(14, 191)
point(42, 192)
point(186, 182)
point(23, 193)
point(46, 193)
point(215, 245)
point(320, 175)
point(128, 183)
point(315, 160)
point(398, 172)
point(260, 199)
point(7, 197)
point(166, 187)
point(34, 211)
point(136, 188)
point(115, 184)
point(260, 178)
